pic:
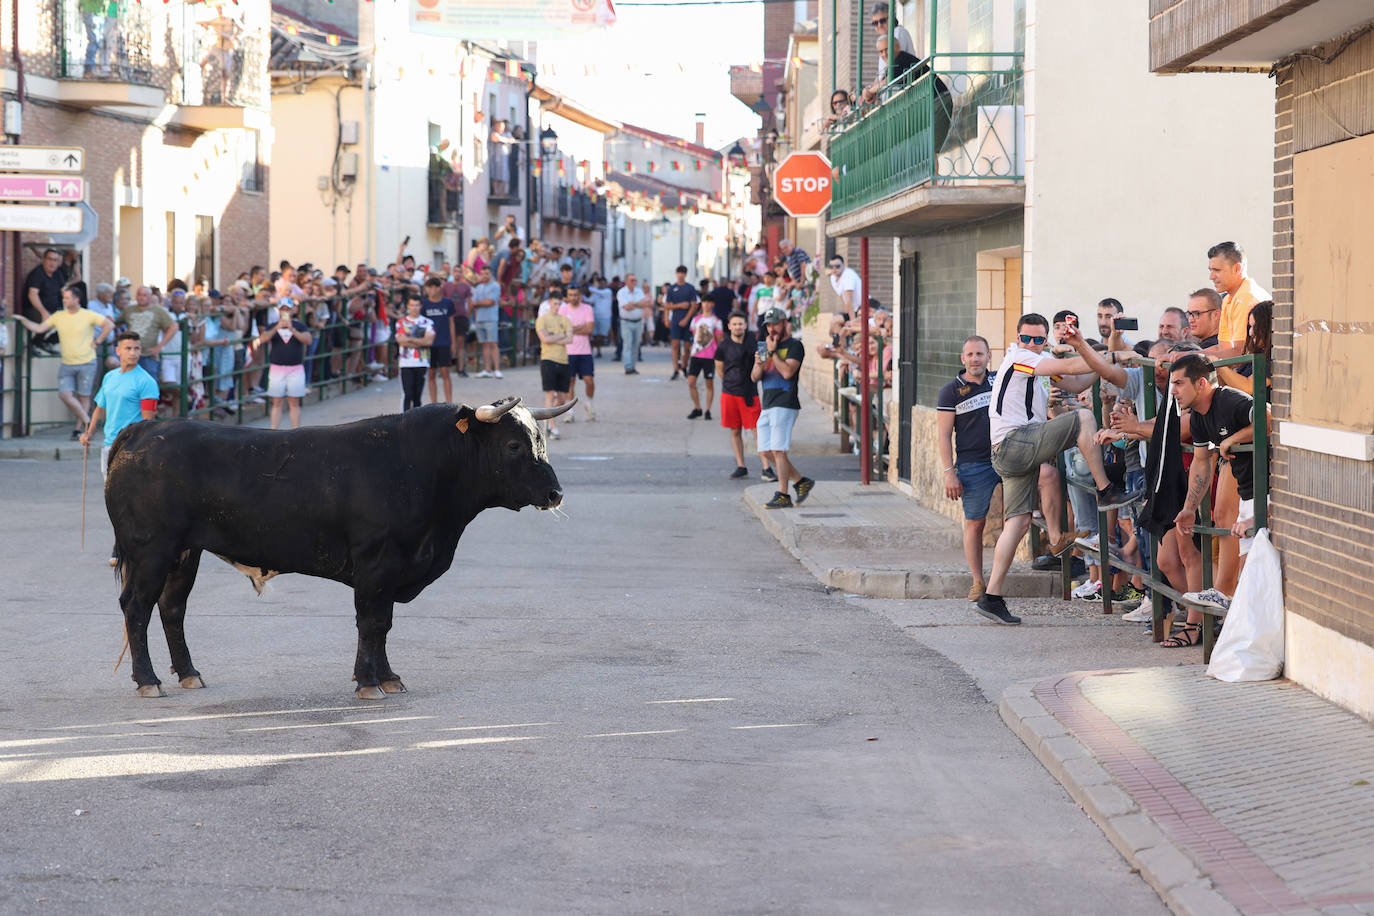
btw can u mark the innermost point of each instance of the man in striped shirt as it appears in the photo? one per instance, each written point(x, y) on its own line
point(1024, 437)
point(797, 259)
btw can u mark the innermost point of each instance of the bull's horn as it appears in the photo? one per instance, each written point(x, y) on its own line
point(491, 413)
point(548, 413)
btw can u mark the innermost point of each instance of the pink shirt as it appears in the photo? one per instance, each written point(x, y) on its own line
point(583, 314)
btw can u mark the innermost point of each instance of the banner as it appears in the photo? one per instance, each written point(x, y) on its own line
point(509, 20)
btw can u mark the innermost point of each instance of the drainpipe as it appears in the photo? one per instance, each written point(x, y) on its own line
point(934, 20)
point(834, 49)
point(531, 144)
point(859, 68)
point(865, 392)
point(891, 40)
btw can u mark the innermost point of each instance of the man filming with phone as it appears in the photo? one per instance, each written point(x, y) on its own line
point(777, 364)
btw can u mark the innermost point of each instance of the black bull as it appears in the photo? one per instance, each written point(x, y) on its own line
point(378, 505)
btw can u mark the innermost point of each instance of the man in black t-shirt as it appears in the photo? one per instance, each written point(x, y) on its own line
point(722, 300)
point(441, 312)
point(777, 363)
point(739, 397)
point(43, 296)
point(678, 297)
point(963, 413)
point(286, 342)
point(1221, 419)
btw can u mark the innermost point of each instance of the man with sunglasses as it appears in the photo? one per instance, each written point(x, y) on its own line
point(848, 286)
point(1023, 438)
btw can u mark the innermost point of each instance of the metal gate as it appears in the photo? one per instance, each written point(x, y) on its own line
point(906, 366)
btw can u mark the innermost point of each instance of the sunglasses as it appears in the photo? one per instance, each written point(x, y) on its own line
point(836, 266)
point(1201, 313)
point(1036, 339)
point(880, 21)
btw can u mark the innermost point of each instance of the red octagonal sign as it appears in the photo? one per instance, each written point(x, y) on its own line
point(801, 185)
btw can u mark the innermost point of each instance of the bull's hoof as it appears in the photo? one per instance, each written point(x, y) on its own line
point(393, 686)
point(193, 682)
point(151, 691)
point(372, 692)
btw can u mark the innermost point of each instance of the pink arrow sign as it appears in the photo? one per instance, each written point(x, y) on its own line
point(41, 187)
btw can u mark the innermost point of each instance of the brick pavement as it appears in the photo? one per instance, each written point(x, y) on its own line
point(1249, 798)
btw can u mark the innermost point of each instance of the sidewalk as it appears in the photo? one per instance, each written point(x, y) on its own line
point(1230, 798)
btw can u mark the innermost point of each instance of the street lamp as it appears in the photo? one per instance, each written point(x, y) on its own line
point(548, 146)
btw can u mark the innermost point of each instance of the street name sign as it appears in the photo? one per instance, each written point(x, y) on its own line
point(40, 218)
point(42, 187)
point(42, 159)
point(801, 185)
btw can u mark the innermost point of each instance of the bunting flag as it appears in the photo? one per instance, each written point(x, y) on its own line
point(697, 163)
point(562, 172)
point(653, 166)
point(538, 168)
point(677, 166)
point(585, 163)
point(629, 166)
point(605, 165)
point(513, 68)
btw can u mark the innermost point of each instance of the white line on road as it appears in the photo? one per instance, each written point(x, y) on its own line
point(700, 700)
point(460, 742)
point(282, 728)
point(669, 731)
point(478, 728)
point(743, 728)
point(220, 715)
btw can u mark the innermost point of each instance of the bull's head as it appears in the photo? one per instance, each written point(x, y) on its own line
point(518, 452)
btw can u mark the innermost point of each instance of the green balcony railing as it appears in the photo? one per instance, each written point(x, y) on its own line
point(962, 124)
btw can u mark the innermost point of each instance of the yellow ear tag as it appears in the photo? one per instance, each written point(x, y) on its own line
point(462, 425)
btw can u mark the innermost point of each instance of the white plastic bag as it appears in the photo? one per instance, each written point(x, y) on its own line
point(1250, 647)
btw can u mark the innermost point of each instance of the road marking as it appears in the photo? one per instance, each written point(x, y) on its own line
point(461, 742)
point(669, 731)
point(478, 728)
point(31, 742)
point(282, 728)
point(699, 700)
point(743, 728)
point(588, 457)
point(221, 715)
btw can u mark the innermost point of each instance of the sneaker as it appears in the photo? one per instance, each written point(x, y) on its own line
point(257, 401)
point(1088, 591)
point(1046, 562)
point(76, 434)
point(1114, 497)
point(1142, 614)
point(570, 417)
point(629, 372)
point(803, 488)
point(497, 374)
point(769, 475)
point(483, 374)
point(1065, 543)
point(257, 389)
point(976, 591)
point(995, 609)
point(380, 378)
point(553, 433)
point(462, 374)
point(230, 407)
point(706, 416)
point(779, 501)
point(1210, 597)
point(1090, 543)
point(739, 472)
point(375, 367)
point(696, 412)
point(675, 376)
point(591, 414)
point(1127, 597)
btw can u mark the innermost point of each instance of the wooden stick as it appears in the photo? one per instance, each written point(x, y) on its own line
point(85, 458)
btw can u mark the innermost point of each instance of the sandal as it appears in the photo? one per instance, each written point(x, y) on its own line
point(1182, 635)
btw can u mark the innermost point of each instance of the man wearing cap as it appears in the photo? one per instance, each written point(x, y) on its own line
point(778, 365)
point(286, 342)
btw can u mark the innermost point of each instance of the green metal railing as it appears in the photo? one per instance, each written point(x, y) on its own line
point(1160, 590)
point(849, 409)
point(961, 123)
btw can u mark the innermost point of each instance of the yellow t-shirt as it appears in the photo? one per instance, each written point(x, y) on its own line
point(74, 334)
point(556, 324)
point(1235, 311)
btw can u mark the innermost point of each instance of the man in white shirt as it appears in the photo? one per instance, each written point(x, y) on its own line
point(634, 303)
point(1024, 437)
point(847, 285)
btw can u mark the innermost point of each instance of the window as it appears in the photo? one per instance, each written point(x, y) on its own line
point(251, 176)
point(205, 251)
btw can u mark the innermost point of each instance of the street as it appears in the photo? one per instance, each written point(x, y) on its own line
point(648, 706)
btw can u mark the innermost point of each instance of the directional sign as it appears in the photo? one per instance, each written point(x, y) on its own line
point(42, 187)
point(42, 158)
point(39, 218)
point(801, 185)
point(90, 228)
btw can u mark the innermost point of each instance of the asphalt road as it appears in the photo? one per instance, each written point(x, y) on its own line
point(645, 707)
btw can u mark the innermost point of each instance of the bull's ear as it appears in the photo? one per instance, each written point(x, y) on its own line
point(466, 415)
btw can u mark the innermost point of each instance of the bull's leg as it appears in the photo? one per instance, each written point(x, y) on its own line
point(143, 581)
point(172, 605)
point(371, 669)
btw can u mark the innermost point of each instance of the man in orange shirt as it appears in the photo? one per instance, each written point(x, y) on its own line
point(1226, 268)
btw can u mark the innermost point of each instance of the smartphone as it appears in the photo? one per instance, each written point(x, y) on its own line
point(1126, 324)
point(763, 349)
point(1071, 321)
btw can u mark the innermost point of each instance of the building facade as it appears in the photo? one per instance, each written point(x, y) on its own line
point(1321, 477)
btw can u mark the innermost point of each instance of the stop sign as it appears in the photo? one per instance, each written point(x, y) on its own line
point(801, 185)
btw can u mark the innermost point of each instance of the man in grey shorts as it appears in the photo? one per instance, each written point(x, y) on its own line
point(1023, 438)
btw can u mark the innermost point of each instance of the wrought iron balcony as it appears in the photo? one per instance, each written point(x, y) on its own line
point(960, 127)
point(445, 199)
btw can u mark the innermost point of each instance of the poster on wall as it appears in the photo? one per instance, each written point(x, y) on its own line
point(510, 20)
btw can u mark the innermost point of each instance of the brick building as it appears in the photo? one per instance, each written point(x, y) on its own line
point(1322, 480)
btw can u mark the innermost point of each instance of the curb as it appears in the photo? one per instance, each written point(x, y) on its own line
point(44, 452)
point(1137, 836)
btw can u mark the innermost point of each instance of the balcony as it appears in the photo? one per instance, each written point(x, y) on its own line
point(574, 208)
point(937, 148)
point(445, 200)
point(1219, 35)
point(503, 170)
point(150, 54)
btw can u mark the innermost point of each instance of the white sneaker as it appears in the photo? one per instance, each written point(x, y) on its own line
point(1088, 591)
point(591, 414)
point(1143, 614)
point(553, 433)
point(375, 367)
point(570, 417)
point(497, 374)
point(1210, 597)
point(483, 374)
point(1090, 543)
point(380, 378)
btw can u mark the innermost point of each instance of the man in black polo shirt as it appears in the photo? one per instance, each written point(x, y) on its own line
point(43, 296)
point(722, 300)
point(963, 412)
point(679, 298)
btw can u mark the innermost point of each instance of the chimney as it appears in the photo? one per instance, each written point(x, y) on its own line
point(701, 128)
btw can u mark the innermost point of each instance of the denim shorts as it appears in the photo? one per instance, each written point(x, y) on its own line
point(775, 428)
point(486, 330)
point(978, 480)
point(78, 379)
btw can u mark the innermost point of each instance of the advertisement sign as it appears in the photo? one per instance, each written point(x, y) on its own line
point(509, 20)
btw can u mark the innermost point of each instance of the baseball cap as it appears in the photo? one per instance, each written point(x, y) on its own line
point(286, 302)
point(216, 294)
point(328, 281)
point(122, 282)
point(774, 315)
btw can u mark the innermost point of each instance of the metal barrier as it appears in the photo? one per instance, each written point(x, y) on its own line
point(848, 410)
point(1159, 590)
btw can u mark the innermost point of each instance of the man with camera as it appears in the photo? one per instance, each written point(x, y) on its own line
point(777, 363)
point(286, 342)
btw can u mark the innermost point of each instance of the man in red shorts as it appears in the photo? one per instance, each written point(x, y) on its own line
point(739, 395)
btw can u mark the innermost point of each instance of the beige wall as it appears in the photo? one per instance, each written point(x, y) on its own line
point(1131, 176)
point(303, 228)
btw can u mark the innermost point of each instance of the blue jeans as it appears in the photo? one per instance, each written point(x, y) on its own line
point(151, 365)
point(978, 480)
point(630, 334)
